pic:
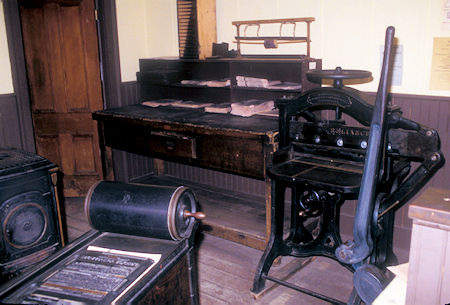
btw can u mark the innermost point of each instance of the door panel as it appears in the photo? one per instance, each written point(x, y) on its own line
point(61, 50)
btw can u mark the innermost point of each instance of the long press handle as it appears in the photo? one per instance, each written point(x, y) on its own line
point(356, 251)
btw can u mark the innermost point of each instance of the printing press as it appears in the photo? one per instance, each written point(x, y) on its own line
point(336, 146)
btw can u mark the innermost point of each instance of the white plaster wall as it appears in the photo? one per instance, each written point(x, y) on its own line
point(6, 85)
point(349, 33)
point(346, 33)
point(147, 28)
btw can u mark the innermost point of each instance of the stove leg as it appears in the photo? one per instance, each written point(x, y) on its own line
point(275, 246)
point(354, 298)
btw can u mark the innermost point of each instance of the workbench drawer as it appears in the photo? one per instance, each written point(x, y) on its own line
point(173, 144)
point(241, 155)
point(140, 139)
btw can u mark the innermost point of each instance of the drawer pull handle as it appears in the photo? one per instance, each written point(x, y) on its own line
point(170, 145)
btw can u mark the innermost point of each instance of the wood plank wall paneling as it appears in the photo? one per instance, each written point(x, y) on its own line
point(433, 112)
point(138, 166)
point(217, 179)
point(129, 166)
point(130, 93)
point(10, 128)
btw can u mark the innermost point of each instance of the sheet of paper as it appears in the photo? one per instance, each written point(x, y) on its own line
point(92, 275)
point(393, 294)
point(440, 66)
point(395, 291)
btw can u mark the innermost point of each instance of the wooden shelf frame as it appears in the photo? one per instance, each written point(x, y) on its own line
point(240, 39)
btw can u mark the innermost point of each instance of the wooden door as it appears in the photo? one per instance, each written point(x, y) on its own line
point(61, 51)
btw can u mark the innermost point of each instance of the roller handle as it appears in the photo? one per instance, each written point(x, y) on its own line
point(196, 215)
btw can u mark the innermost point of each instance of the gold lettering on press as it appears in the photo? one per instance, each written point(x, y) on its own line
point(349, 132)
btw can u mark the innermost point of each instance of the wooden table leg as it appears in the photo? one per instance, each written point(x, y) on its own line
point(268, 208)
point(158, 165)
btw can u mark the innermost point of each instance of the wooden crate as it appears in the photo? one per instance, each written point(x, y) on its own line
point(429, 260)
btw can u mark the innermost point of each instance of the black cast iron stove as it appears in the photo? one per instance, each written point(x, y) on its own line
point(368, 157)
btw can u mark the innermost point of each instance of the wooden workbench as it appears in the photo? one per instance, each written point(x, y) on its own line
point(223, 142)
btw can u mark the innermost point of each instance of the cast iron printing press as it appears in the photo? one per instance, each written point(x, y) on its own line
point(382, 162)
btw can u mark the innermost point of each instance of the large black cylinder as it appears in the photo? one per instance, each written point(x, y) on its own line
point(157, 211)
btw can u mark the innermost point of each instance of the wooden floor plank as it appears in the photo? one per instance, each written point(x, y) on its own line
point(75, 220)
point(210, 300)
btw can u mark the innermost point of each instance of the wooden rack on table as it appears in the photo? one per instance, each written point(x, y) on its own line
point(273, 41)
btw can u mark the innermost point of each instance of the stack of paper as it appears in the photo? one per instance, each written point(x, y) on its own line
point(161, 102)
point(219, 108)
point(285, 86)
point(218, 83)
point(192, 104)
point(176, 103)
point(245, 81)
point(208, 83)
point(250, 107)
